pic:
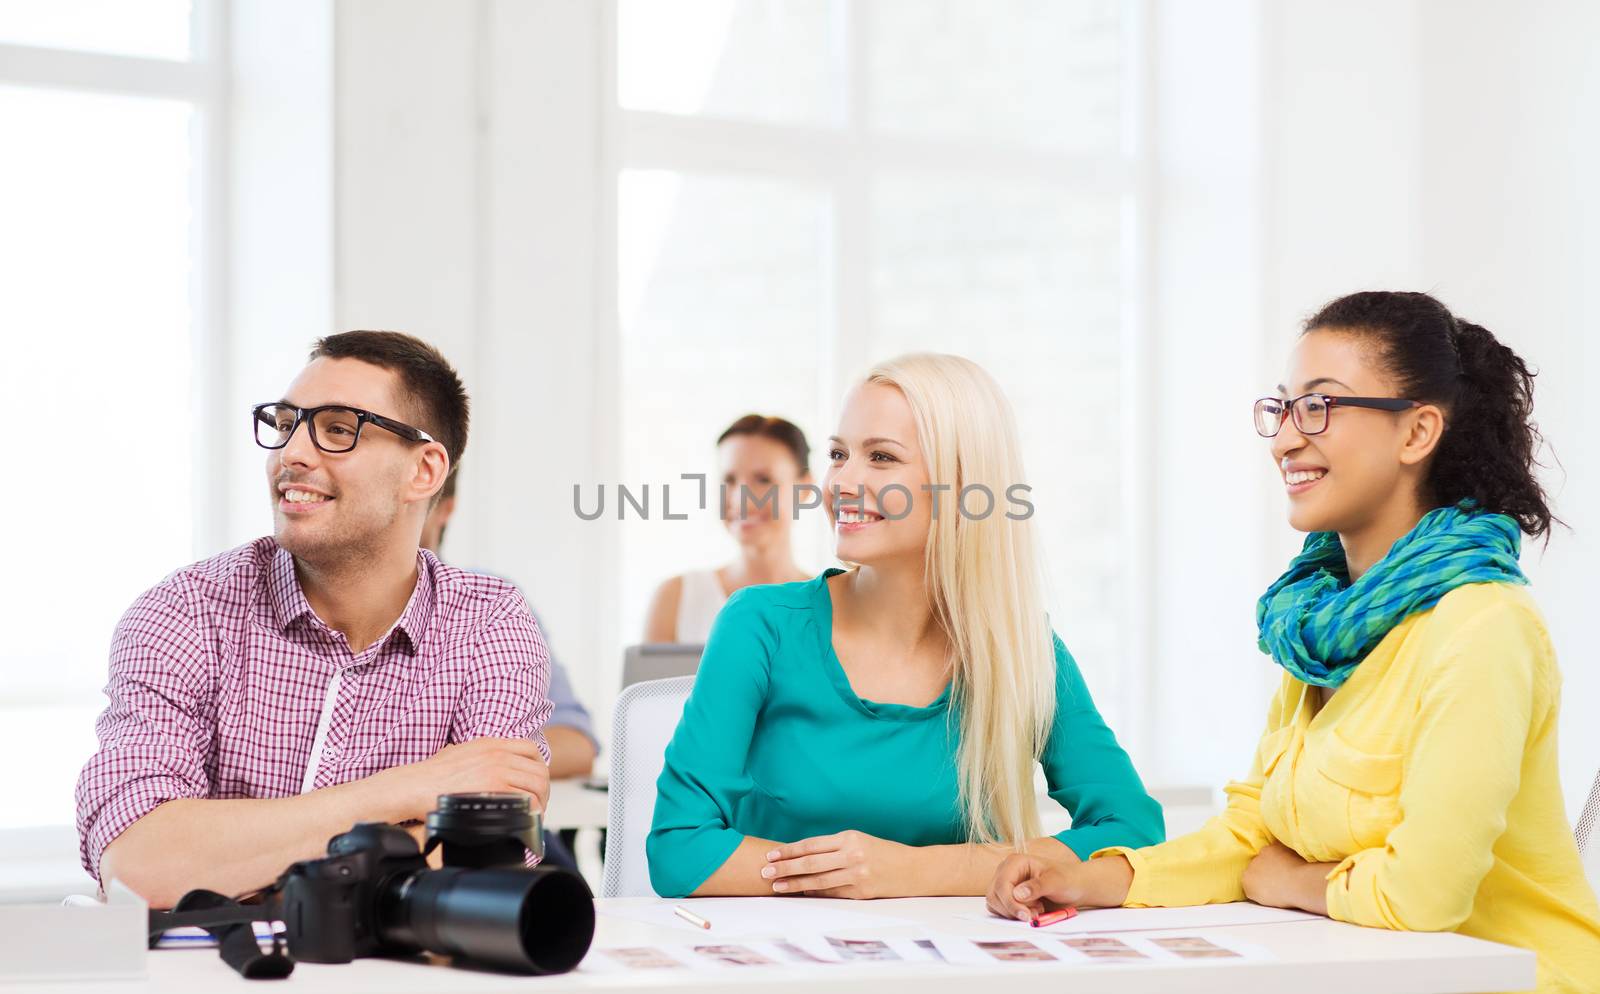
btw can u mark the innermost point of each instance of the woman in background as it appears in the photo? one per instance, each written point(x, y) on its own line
point(1407, 778)
point(763, 460)
point(874, 732)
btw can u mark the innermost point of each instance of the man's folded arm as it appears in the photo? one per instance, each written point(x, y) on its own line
point(145, 815)
point(145, 811)
point(233, 846)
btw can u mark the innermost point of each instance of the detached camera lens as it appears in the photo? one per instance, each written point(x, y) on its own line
point(483, 830)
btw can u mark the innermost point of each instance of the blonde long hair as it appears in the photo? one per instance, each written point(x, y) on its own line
point(985, 589)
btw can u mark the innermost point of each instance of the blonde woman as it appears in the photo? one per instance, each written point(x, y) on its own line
point(873, 732)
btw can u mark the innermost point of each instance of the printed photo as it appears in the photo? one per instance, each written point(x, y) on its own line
point(1014, 951)
point(872, 950)
point(797, 954)
point(734, 955)
point(642, 958)
point(1194, 947)
point(1103, 948)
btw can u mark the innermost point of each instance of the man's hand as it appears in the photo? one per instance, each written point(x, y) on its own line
point(850, 864)
point(1028, 885)
point(1279, 877)
point(478, 766)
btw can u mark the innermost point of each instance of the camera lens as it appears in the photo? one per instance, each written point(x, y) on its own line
point(530, 921)
point(483, 830)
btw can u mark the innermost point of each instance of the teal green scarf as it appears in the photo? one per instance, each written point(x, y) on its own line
point(1318, 625)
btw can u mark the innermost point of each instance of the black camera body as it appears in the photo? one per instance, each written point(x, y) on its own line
point(375, 895)
point(331, 906)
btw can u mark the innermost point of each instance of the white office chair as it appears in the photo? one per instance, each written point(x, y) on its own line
point(659, 660)
point(1584, 829)
point(645, 718)
point(1584, 832)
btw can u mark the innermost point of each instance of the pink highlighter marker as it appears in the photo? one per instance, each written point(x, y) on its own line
point(1051, 917)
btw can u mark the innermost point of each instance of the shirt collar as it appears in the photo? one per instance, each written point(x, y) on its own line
point(419, 610)
point(289, 604)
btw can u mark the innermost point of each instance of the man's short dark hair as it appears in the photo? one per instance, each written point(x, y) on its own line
point(432, 392)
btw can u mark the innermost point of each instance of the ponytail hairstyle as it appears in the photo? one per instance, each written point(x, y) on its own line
point(1486, 391)
point(986, 590)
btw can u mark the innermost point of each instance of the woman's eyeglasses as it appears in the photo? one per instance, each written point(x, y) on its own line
point(1310, 411)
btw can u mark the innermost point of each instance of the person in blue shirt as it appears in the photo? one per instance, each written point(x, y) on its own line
point(569, 731)
point(874, 732)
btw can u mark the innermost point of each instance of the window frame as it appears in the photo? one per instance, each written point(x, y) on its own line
point(200, 82)
point(842, 160)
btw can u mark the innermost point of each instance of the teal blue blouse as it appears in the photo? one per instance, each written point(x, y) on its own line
point(774, 744)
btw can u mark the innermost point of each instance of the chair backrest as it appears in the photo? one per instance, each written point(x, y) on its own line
point(646, 715)
point(659, 660)
point(1584, 829)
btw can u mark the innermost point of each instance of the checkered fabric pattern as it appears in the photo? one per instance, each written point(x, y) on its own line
point(219, 675)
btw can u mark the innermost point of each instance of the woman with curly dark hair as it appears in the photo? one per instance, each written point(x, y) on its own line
point(1407, 778)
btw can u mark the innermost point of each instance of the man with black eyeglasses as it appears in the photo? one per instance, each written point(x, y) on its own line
point(266, 699)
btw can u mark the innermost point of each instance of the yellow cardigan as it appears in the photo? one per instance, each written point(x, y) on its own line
point(1430, 778)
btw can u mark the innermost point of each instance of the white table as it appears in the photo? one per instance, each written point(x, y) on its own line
point(1313, 957)
point(572, 805)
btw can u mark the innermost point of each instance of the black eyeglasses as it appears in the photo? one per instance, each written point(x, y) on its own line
point(333, 428)
point(1310, 411)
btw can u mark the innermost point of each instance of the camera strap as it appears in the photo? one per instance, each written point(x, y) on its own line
point(232, 925)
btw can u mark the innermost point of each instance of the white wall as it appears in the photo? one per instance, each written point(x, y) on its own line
point(1208, 683)
point(280, 226)
point(1270, 201)
point(1510, 235)
point(468, 181)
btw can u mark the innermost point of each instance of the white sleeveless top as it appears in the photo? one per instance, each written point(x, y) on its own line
point(698, 603)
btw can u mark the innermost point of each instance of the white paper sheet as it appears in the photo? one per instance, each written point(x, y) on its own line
point(1098, 950)
point(1150, 919)
point(823, 953)
point(1195, 947)
point(1105, 950)
point(192, 938)
point(710, 956)
point(734, 917)
point(1019, 952)
point(635, 959)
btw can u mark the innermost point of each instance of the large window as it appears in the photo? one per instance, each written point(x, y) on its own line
point(108, 112)
point(805, 187)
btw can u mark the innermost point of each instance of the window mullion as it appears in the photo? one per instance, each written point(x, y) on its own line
point(851, 228)
point(210, 240)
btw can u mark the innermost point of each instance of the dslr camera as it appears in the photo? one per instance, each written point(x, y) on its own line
point(375, 895)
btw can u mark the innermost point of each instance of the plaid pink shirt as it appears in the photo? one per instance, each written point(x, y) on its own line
point(221, 673)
